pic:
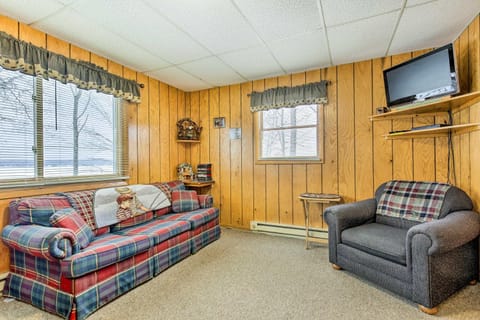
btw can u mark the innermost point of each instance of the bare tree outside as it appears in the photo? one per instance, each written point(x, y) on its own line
point(290, 132)
point(77, 128)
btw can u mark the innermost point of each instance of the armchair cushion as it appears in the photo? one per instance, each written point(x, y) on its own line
point(412, 200)
point(379, 240)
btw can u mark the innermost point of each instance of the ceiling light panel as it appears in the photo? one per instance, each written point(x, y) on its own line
point(28, 11)
point(216, 24)
point(146, 28)
point(361, 40)
point(179, 79)
point(253, 63)
point(432, 24)
point(280, 19)
point(338, 12)
point(90, 36)
point(212, 70)
point(302, 53)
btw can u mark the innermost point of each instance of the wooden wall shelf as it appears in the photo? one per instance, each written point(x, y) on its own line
point(188, 141)
point(434, 132)
point(433, 106)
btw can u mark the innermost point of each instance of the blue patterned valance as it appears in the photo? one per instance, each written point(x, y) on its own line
point(29, 59)
point(289, 97)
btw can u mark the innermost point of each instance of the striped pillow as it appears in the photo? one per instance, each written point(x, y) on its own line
point(70, 219)
point(184, 200)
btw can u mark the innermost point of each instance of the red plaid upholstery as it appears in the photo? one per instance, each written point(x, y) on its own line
point(184, 200)
point(133, 221)
point(70, 219)
point(82, 202)
point(37, 210)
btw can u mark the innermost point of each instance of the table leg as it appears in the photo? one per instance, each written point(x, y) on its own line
point(307, 222)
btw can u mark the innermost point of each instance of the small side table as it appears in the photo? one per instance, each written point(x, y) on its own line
point(307, 199)
point(202, 187)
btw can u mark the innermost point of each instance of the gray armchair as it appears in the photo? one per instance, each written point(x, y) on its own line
point(390, 241)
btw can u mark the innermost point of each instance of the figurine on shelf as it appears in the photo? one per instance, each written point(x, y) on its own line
point(184, 171)
point(188, 130)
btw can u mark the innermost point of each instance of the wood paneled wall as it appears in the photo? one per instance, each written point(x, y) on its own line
point(153, 150)
point(357, 157)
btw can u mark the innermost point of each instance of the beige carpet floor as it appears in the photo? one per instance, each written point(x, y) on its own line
point(255, 276)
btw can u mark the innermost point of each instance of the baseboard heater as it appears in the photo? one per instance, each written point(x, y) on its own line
point(287, 230)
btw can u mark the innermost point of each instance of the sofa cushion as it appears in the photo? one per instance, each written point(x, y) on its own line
point(379, 240)
point(195, 218)
point(184, 200)
point(82, 202)
point(70, 219)
point(103, 251)
point(412, 200)
point(37, 210)
point(157, 231)
point(205, 200)
point(133, 221)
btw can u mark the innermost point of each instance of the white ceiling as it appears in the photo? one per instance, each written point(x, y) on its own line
point(199, 44)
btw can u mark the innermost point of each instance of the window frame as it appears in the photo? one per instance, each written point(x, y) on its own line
point(297, 160)
point(120, 147)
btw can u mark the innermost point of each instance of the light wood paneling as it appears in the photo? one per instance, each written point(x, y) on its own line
point(356, 156)
point(150, 133)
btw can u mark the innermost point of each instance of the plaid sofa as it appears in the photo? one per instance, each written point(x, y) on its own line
point(49, 270)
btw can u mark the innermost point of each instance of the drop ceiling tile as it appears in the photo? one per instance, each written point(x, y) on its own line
point(90, 36)
point(216, 24)
point(361, 40)
point(253, 63)
point(279, 19)
point(29, 11)
point(150, 31)
point(338, 12)
point(302, 53)
point(179, 79)
point(433, 24)
point(212, 70)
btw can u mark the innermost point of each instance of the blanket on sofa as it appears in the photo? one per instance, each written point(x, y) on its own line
point(112, 205)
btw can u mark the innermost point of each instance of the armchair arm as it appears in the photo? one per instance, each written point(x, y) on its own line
point(344, 216)
point(39, 241)
point(455, 230)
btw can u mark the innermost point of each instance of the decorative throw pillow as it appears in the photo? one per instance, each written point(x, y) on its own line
point(184, 200)
point(37, 210)
point(70, 219)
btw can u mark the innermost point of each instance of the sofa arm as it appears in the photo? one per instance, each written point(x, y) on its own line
point(344, 216)
point(39, 241)
point(205, 200)
point(443, 235)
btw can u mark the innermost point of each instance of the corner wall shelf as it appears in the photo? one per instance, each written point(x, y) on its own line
point(188, 141)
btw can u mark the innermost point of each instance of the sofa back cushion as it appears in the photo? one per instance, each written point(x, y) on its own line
point(36, 210)
point(407, 203)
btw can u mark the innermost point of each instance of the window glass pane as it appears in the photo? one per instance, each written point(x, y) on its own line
point(290, 143)
point(16, 125)
point(290, 117)
point(78, 131)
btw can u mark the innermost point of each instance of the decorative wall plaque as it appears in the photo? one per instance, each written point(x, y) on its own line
point(187, 129)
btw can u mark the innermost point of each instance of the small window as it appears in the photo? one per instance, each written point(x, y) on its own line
point(57, 133)
point(290, 134)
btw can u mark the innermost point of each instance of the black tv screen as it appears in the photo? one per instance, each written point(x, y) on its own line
point(427, 76)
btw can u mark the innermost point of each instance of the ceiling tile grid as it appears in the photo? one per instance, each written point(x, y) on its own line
point(195, 45)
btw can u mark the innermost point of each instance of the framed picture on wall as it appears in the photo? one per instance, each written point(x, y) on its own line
point(219, 122)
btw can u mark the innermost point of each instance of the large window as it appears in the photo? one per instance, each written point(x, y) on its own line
point(290, 134)
point(55, 133)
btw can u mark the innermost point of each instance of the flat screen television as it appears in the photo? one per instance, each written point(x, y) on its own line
point(428, 76)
